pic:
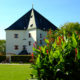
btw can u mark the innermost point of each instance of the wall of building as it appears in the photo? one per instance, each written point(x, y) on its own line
point(44, 34)
point(23, 39)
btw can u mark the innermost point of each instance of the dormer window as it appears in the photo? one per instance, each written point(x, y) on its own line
point(31, 25)
point(31, 16)
point(15, 35)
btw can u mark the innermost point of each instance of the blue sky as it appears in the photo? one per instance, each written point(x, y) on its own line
point(57, 11)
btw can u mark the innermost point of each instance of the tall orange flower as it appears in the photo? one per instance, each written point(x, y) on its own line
point(39, 48)
point(47, 51)
point(32, 56)
point(76, 51)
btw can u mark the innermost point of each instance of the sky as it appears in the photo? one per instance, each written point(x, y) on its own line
point(56, 11)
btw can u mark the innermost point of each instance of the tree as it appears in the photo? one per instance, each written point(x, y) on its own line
point(71, 27)
point(2, 47)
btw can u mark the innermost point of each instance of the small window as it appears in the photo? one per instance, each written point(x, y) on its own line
point(24, 47)
point(31, 25)
point(40, 35)
point(40, 41)
point(16, 47)
point(29, 43)
point(31, 16)
point(15, 35)
point(29, 35)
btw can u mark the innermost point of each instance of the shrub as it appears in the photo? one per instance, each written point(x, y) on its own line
point(2, 58)
point(20, 58)
point(59, 59)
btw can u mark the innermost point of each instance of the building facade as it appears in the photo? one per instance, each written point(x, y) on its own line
point(30, 28)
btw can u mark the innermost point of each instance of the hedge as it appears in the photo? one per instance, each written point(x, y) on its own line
point(2, 58)
point(21, 58)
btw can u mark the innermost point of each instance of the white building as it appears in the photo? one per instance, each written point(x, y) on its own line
point(30, 28)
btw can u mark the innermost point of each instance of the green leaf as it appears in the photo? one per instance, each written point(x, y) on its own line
point(47, 41)
point(74, 44)
point(78, 54)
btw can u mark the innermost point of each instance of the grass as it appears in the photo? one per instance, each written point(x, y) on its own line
point(15, 71)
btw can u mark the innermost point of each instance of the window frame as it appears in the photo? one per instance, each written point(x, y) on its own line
point(16, 35)
point(16, 47)
point(31, 25)
point(40, 35)
point(29, 35)
point(40, 41)
point(29, 43)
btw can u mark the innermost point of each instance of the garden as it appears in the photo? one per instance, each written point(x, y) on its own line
point(59, 59)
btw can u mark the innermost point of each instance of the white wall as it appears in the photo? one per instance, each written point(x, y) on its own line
point(23, 34)
point(44, 34)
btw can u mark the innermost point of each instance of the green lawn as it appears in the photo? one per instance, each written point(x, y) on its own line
point(15, 72)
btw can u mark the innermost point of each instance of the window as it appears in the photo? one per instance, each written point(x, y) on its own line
point(15, 35)
point(24, 47)
point(31, 25)
point(16, 47)
point(40, 41)
point(31, 16)
point(29, 43)
point(29, 35)
point(40, 35)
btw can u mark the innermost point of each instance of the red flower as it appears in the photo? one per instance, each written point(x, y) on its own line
point(34, 45)
point(62, 37)
point(47, 45)
point(76, 51)
point(49, 41)
point(44, 39)
point(76, 32)
point(39, 48)
point(59, 38)
point(32, 56)
point(47, 51)
point(50, 31)
point(53, 39)
point(79, 37)
point(35, 42)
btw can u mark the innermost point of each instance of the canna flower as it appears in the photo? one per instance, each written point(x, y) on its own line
point(79, 37)
point(34, 45)
point(32, 56)
point(35, 42)
point(47, 45)
point(59, 38)
point(47, 51)
point(49, 41)
point(44, 39)
point(39, 48)
point(62, 37)
point(50, 31)
point(76, 32)
point(76, 51)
